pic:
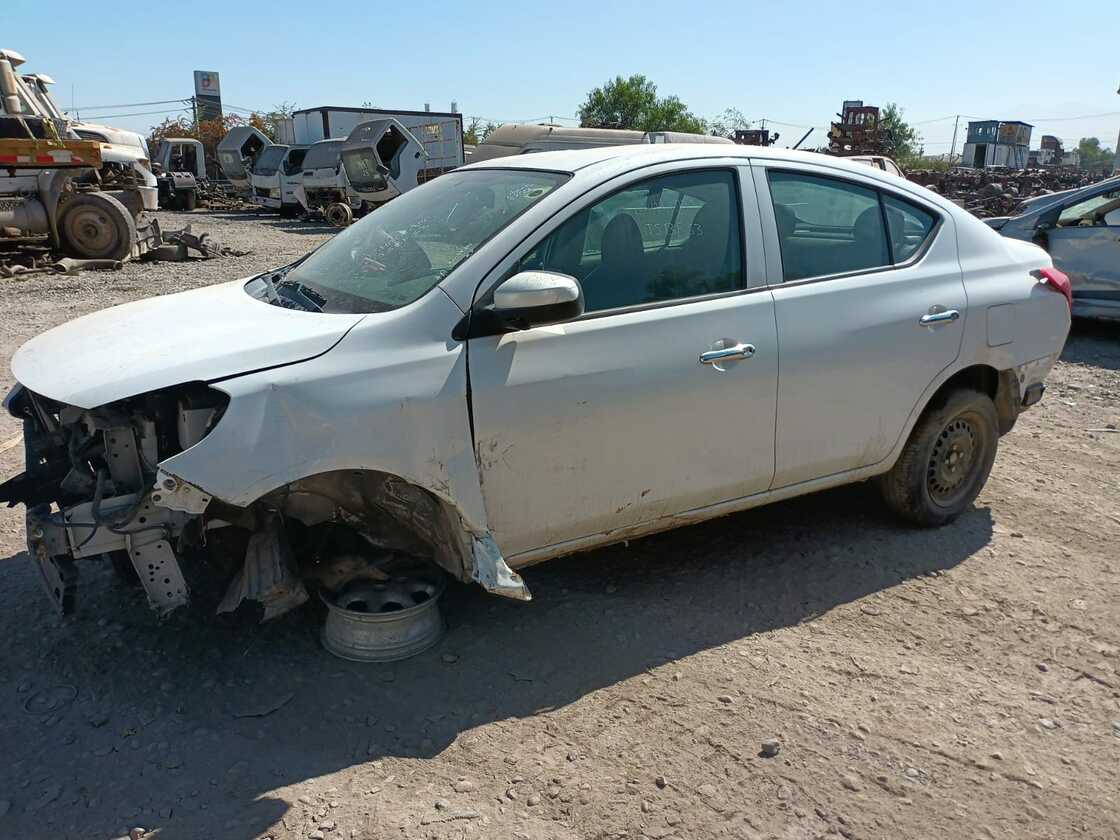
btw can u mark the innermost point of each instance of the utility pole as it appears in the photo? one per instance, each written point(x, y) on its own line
point(953, 145)
point(1116, 161)
point(194, 111)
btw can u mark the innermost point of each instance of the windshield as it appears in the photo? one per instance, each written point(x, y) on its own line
point(293, 163)
point(322, 154)
point(403, 249)
point(269, 161)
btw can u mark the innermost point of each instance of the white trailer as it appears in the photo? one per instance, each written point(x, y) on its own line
point(440, 132)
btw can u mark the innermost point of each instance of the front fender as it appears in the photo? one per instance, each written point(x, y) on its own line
point(388, 398)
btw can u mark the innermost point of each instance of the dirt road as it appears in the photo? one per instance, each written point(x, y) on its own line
point(954, 683)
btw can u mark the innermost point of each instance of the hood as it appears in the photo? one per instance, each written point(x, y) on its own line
point(200, 335)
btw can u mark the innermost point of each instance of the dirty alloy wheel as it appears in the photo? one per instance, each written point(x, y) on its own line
point(946, 461)
point(339, 214)
point(97, 226)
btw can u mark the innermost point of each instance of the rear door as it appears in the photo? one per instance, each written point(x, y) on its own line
point(611, 421)
point(870, 306)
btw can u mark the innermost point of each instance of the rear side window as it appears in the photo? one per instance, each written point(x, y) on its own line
point(829, 226)
point(909, 227)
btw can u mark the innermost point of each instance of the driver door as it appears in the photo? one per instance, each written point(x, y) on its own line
point(599, 426)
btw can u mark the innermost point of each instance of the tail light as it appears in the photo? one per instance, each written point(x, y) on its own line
point(1056, 280)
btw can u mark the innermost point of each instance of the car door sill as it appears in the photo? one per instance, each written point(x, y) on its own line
point(692, 517)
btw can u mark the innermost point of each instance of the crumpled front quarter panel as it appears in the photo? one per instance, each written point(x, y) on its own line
point(390, 397)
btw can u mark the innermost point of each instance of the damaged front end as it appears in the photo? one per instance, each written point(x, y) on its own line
point(99, 484)
point(90, 487)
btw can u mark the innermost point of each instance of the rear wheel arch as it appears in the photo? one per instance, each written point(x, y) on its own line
point(1001, 386)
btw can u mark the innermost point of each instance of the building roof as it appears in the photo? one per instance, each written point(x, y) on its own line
point(1001, 122)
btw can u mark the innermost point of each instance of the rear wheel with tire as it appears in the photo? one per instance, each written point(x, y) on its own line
point(946, 461)
point(96, 226)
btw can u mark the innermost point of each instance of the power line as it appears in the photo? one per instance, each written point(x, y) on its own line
point(135, 114)
point(124, 105)
point(1071, 119)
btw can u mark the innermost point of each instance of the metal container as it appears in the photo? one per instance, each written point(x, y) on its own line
point(382, 621)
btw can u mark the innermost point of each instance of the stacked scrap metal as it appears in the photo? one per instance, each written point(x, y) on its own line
point(997, 191)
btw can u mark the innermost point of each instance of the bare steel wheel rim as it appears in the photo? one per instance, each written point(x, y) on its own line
point(381, 621)
point(91, 229)
point(954, 460)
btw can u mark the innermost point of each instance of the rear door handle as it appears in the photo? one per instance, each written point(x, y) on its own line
point(935, 318)
point(736, 351)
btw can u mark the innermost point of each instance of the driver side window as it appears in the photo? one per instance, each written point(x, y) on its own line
point(670, 237)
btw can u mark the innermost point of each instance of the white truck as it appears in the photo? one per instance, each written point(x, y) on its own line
point(275, 177)
point(180, 167)
point(378, 161)
point(78, 188)
point(322, 189)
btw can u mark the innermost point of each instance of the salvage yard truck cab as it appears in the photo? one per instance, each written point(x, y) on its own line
point(323, 185)
point(275, 176)
point(535, 356)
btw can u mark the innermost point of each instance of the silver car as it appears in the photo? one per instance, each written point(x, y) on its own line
point(537, 355)
point(1081, 230)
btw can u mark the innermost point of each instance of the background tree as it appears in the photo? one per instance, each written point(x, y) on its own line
point(633, 103)
point(477, 131)
point(727, 123)
point(269, 122)
point(901, 140)
point(1093, 156)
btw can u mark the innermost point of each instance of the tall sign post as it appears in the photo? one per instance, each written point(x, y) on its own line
point(207, 95)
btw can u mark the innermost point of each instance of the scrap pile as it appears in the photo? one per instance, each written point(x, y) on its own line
point(182, 245)
point(997, 191)
point(219, 195)
point(175, 246)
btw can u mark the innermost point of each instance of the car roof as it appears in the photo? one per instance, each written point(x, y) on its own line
point(572, 160)
point(622, 158)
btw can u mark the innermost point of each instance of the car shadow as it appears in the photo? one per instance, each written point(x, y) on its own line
point(188, 724)
point(1093, 342)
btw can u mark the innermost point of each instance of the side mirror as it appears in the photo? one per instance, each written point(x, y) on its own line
point(532, 298)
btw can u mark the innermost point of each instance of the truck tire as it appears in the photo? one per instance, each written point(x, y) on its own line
point(946, 461)
point(95, 226)
point(188, 200)
point(339, 214)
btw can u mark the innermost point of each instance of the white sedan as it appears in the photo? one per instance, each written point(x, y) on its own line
point(538, 355)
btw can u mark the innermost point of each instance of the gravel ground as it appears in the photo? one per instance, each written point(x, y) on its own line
point(954, 683)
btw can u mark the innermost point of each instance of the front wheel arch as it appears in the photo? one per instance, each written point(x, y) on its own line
point(383, 506)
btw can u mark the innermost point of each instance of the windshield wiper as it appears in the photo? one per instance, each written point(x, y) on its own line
point(307, 297)
point(291, 294)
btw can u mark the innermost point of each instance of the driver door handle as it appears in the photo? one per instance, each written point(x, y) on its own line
point(736, 351)
point(935, 318)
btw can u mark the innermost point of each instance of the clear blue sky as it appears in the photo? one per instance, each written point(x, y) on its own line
point(790, 62)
